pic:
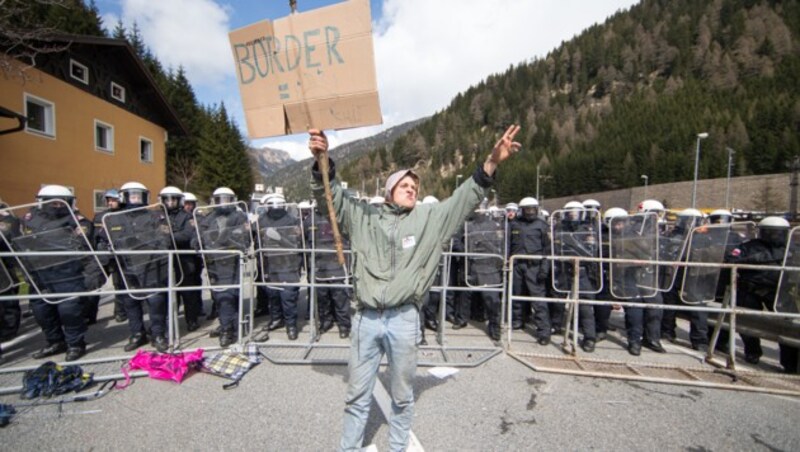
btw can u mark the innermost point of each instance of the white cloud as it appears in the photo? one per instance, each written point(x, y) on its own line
point(426, 51)
point(191, 33)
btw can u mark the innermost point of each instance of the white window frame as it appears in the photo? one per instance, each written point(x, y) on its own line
point(122, 90)
point(102, 206)
point(109, 138)
point(85, 79)
point(143, 139)
point(50, 116)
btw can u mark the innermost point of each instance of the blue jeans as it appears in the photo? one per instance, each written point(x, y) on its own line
point(396, 333)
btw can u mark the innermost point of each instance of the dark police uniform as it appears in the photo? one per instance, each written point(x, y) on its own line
point(232, 225)
point(63, 322)
point(757, 290)
point(282, 267)
point(183, 233)
point(101, 244)
point(143, 229)
point(485, 235)
point(530, 236)
point(10, 312)
point(333, 303)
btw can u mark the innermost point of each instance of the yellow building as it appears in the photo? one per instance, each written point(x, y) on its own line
point(95, 120)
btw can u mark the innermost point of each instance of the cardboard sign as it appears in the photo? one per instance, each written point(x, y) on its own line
point(309, 70)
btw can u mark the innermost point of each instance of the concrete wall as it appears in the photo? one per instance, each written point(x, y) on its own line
point(766, 192)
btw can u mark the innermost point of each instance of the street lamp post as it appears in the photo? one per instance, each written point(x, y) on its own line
point(728, 181)
point(700, 136)
point(644, 176)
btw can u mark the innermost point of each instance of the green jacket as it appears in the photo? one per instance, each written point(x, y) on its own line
point(396, 251)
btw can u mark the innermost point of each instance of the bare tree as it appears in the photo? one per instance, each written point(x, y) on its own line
point(22, 39)
point(183, 171)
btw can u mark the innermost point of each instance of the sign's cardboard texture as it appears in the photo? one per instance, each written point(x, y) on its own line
point(309, 70)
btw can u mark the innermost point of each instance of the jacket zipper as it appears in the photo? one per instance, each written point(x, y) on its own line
point(392, 240)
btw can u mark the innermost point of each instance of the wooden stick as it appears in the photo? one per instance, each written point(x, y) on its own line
point(322, 159)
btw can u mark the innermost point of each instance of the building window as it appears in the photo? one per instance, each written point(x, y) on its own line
point(117, 92)
point(99, 200)
point(145, 150)
point(41, 116)
point(79, 72)
point(103, 136)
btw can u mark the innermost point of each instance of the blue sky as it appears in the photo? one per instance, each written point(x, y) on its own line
point(426, 51)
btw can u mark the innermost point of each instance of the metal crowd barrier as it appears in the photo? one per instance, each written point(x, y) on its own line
point(724, 375)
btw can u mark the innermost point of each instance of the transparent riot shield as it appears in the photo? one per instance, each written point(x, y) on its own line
point(326, 262)
point(706, 245)
point(52, 226)
point(485, 243)
point(787, 299)
point(636, 238)
point(281, 244)
point(574, 234)
point(145, 229)
point(671, 248)
point(222, 227)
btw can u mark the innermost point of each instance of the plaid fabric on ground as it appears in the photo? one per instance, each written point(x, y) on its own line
point(232, 363)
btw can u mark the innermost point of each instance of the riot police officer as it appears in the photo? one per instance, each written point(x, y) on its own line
point(113, 204)
point(635, 238)
point(183, 233)
point(698, 321)
point(578, 238)
point(223, 226)
point(10, 312)
point(62, 321)
point(485, 235)
point(333, 303)
point(281, 231)
point(602, 313)
point(757, 288)
point(139, 228)
point(529, 235)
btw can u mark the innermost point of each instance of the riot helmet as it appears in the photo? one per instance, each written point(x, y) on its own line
point(614, 212)
point(720, 216)
point(530, 207)
point(688, 219)
point(574, 211)
point(50, 192)
point(774, 231)
point(189, 201)
point(134, 194)
point(592, 207)
point(171, 197)
point(223, 195)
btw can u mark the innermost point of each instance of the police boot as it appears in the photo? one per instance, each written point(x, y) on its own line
point(635, 348)
point(654, 346)
point(275, 324)
point(226, 339)
point(136, 341)
point(432, 324)
point(588, 345)
point(75, 352)
point(344, 332)
point(160, 343)
point(50, 350)
point(291, 332)
point(326, 325)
